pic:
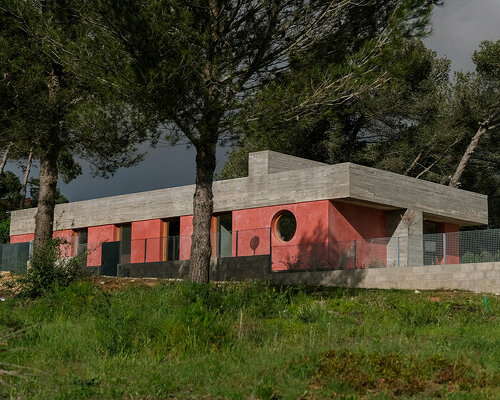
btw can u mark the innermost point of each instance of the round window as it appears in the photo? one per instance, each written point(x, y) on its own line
point(285, 226)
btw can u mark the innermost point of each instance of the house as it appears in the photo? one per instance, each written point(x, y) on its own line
point(301, 212)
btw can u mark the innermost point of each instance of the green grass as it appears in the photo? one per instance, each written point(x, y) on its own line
point(241, 341)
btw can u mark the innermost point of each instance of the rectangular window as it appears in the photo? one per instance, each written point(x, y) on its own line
point(81, 240)
point(224, 235)
point(125, 238)
point(171, 239)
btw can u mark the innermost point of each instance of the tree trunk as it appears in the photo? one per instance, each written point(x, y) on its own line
point(25, 180)
point(203, 206)
point(455, 180)
point(5, 158)
point(44, 218)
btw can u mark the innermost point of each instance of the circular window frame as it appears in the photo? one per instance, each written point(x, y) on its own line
point(275, 225)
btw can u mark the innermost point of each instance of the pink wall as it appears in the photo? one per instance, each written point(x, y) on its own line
point(312, 227)
point(186, 230)
point(97, 235)
point(349, 222)
point(452, 242)
point(147, 241)
point(22, 238)
point(68, 242)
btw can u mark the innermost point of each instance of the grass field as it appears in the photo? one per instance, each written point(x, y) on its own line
point(241, 341)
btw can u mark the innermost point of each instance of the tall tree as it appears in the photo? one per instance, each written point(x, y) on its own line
point(368, 129)
point(478, 98)
point(52, 109)
point(193, 63)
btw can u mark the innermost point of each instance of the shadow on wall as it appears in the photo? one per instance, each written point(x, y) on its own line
point(306, 258)
point(311, 250)
point(351, 278)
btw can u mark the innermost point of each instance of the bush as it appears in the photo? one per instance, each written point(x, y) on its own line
point(47, 270)
point(4, 231)
point(483, 256)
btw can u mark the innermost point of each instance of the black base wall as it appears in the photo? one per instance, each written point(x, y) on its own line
point(221, 269)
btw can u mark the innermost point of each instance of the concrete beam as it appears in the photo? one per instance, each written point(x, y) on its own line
point(377, 186)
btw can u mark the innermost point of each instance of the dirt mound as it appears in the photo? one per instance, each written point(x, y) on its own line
point(114, 284)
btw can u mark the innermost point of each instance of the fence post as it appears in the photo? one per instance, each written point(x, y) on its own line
point(270, 249)
point(397, 251)
point(218, 236)
point(145, 248)
point(237, 243)
point(444, 248)
point(355, 256)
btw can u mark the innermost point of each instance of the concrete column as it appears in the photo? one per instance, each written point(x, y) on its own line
point(407, 225)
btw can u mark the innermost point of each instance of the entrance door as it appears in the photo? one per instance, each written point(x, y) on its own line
point(110, 258)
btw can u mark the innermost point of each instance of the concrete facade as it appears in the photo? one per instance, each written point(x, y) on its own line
point(347, 181)
point(338, 210)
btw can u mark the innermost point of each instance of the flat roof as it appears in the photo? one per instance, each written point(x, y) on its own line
point(274, 179)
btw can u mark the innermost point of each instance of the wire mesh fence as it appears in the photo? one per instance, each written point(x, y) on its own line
point(431, 249)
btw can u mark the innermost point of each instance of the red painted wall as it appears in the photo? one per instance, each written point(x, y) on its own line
point(147, 241)
point(325, 235)
point(452, 242)
point(255, 223)
point(67, 246)
point(349, 222)
point(22, 238)
point(97, 235)
point(186, 230)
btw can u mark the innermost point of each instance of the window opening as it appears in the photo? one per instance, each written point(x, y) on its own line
point(171, 239)
point(81, 240)
point(125, 235)
point(285, 225)
point(225, 235)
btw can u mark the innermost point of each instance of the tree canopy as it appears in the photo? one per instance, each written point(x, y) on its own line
point(419, 123)
point(49, 108)
point(191, 66)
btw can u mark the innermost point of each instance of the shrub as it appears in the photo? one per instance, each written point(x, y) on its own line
point(47, 270)
point(5, 231)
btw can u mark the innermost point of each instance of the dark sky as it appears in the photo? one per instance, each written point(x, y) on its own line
point(458, 28)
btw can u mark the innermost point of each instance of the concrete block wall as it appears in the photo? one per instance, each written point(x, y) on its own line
point(479, 277)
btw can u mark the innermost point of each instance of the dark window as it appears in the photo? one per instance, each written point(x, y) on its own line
point(126, 243)
point(171, 239)
point(285, 226)
point(225, 236)
point(81, 241)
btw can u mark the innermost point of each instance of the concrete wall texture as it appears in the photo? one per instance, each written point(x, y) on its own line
point(480, 277)
point(313, 182)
